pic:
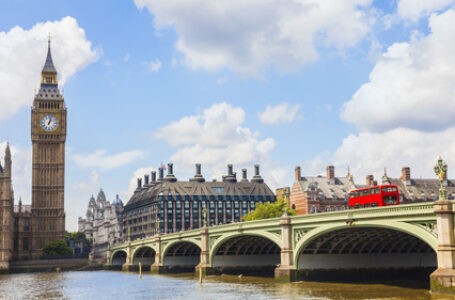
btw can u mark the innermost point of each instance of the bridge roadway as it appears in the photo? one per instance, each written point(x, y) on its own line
point(404, 236)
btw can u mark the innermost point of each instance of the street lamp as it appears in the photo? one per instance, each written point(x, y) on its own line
point(285, 195)
point(440, 169)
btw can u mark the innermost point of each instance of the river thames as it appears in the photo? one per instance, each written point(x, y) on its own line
point(118, 285)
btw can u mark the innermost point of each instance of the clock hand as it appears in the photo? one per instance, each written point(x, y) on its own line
point(49, 122)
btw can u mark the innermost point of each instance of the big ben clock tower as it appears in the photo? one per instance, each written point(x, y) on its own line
point(48, 126)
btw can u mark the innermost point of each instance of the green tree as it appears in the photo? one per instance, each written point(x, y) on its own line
point(77, 237)
point(268, 210)
point(57, 248)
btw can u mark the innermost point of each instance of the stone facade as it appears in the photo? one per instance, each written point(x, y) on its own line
point(48, 126)
point(103, 223)
point(25, 229)
point(167, 205)
point(6, 212)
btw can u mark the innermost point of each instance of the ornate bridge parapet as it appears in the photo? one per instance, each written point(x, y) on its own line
point(282, 243)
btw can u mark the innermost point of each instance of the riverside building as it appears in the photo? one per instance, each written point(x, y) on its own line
point(314, 194)
point(102, 224)
point(166, 205)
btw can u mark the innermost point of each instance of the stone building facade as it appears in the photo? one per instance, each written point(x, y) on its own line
point(102, 224)
point(25, 229)
point(166, 205)
point(48, 133)
point(6, 212)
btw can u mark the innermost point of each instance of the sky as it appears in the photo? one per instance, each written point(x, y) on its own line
point(281, 83)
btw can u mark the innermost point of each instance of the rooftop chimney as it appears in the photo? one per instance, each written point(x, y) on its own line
point(330, 174)
point(370, 180)
point(231, 176)
point(170, 173)
point(298, 173)
point(146, 180)
point(406, 175)
point(160, 174)
point(244, 175)
point(153, 176)
point(170, 169)
point(257, 177)
point(198, 176)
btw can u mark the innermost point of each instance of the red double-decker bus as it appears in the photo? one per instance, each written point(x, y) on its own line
point(380, 195)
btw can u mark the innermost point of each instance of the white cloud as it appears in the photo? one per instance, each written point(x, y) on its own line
point(22, 56)
point(139, 173)
point(76, 199)
point(153, 66)
point(368, 153)
point(283, 113)
point(413, 10)
point(22, 171)
point(411, 85)
point(88, 185)
point(250, 36)
point(99, 159)
point(215, 138)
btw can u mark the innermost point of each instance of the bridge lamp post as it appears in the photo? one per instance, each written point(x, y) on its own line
point(285, 196)
point(440, 169)
point(443, 278)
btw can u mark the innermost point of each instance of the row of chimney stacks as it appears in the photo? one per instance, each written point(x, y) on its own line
point(230, 177)
point(330, 173)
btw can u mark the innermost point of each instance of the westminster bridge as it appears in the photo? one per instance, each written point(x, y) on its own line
point(404, 236)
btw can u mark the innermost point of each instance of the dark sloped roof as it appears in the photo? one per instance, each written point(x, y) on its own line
point(150, 193)
point(49, 64)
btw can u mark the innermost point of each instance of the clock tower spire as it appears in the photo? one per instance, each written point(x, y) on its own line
point(48, 133)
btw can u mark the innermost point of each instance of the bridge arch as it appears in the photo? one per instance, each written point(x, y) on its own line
point(143, 254)
point(246, 253)
point(118, 257)
point(321, 247)
point(182, 254)
point(222, 239)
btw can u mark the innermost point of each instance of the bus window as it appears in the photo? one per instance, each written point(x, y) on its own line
point(377, 190)
point(356, 205)
point(374, 204)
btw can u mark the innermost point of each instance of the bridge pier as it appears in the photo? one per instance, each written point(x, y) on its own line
point(128, 263)
point(443, 279)
point(204, 265)
point(286, 271)
point(157, 266)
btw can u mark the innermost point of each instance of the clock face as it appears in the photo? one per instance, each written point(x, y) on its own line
point(49, 123)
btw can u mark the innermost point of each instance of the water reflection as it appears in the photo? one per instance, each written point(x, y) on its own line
point(117, 285)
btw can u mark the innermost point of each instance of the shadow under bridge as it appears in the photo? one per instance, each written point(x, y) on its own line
point(247, 255)
point(366, 254)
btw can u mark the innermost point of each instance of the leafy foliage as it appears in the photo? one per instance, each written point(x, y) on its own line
point(56, 248)
point(268, 210)
point(77, 237)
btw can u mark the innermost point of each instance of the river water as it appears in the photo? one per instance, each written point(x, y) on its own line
point(118, 285)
